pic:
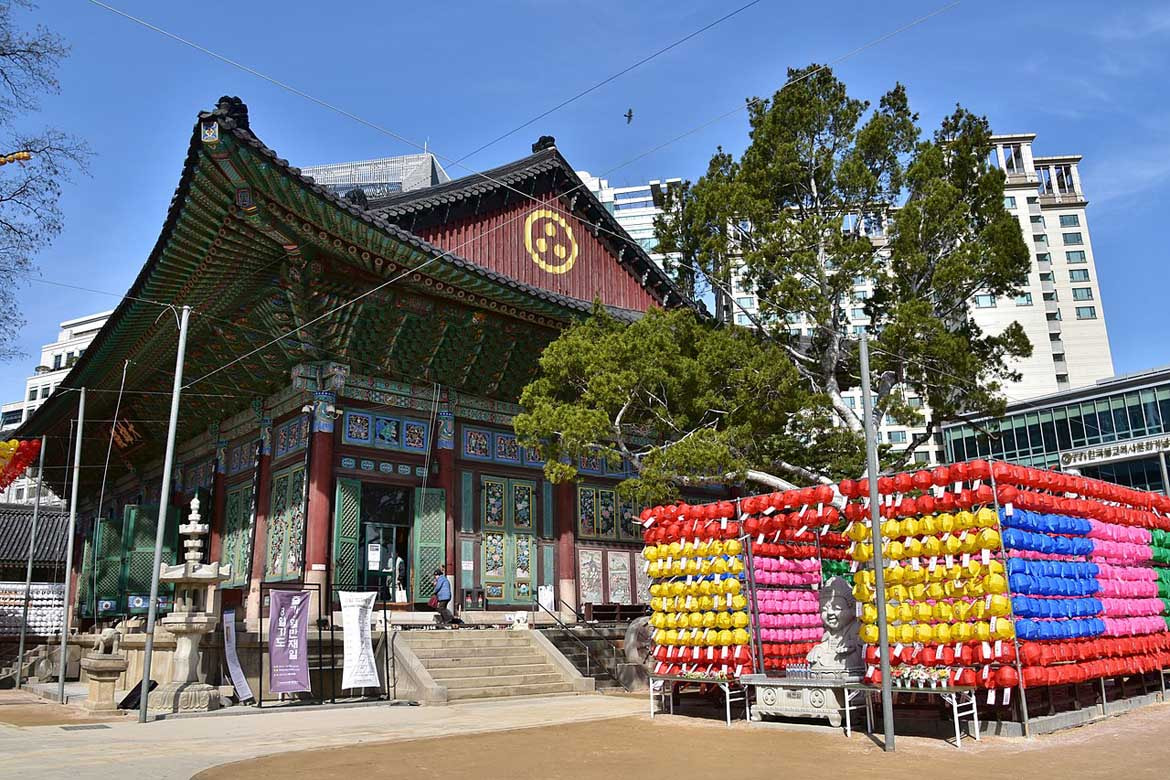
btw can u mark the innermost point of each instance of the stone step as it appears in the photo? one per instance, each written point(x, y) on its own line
point(502, 691)
point(502, 680)
point(459, 672)
point(437, 659)
point(470, 642)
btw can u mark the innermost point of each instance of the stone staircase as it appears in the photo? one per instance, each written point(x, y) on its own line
point(599, 665)
point(485, 663)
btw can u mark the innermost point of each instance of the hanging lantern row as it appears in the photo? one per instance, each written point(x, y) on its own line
point(15, 457)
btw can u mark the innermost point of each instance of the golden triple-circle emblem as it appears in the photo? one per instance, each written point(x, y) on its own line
point(549, 241)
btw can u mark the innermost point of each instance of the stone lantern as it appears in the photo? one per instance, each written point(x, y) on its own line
point(191, 619)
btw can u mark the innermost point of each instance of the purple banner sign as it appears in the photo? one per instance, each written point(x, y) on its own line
point(288, 641)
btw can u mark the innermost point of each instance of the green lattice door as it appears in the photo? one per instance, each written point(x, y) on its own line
point(108, 566)
point(236, 550)
point(430, 539)
point(508, 522)
point(284, 557)
point(138, 534)
point(347, 522)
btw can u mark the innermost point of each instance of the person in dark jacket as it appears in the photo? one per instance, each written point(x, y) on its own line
point(443, 596)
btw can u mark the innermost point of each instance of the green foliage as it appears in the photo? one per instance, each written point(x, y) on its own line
point(679, 398)
point(829, 191)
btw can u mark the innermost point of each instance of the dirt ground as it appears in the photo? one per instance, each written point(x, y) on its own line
point(1134, 746)
point(20, 709)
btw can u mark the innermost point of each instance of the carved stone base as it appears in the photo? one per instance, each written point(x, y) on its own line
point(184, 697)
point(103, 672)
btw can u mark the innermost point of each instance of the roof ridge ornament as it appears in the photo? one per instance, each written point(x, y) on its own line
point(544, 142)
point(234, 109)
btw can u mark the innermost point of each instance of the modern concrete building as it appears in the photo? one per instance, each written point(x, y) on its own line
point(1061, 309)
point(56, 359)
point(380, 178)
point(1116, 429)
point(633, 207)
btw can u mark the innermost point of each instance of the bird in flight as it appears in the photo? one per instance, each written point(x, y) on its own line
point(629, 115)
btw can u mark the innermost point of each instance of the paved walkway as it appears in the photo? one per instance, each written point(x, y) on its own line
point(129, 750)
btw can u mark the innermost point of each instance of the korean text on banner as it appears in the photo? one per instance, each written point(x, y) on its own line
point(360, 670)
point(239, 681)
point(288, 641)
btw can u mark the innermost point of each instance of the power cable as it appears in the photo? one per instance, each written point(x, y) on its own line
point(603, 82)
point(481, 174)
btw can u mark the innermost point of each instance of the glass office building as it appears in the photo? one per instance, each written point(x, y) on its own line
point(1117, 430)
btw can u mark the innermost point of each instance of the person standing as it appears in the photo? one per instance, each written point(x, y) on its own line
point(442, 598)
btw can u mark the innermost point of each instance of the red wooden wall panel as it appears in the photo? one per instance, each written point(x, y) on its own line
point(497, 240)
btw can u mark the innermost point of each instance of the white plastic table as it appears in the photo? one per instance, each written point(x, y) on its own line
point(961, 699)
point(732, 691)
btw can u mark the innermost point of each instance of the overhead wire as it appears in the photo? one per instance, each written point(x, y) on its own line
point(528, 196)
point(415, 269)
point(605, 81)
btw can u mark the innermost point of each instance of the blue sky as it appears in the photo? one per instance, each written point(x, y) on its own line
point(1084, 76)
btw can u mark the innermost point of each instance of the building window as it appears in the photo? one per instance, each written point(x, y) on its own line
point(1053, 316)
point(1076, 256)
point(1038, 221)
point(1050, 296)
point(1086, 312)
point(1040, 239)
point(858, 314)
point(11, 418)
point(44, 392)
point(1064, 179)
point(1082, 293)
point(860, 295)
point(850, 401)
point(1070, 220)
point(914, 402)
point(746, 301)
point(1043, 257)
point(921, 458)
point(897, 437)
point(1044, 179)
point(1072, 238)
point(1078, 274)
point(32, 394)
point(742, 319)
point(1047, 277)
point(1009, 202)
point(1024, 300)
point(1013, 158)
point(20, 494)
point(858, 330)
point(1058, 357)
point(985, 301)
point(70, 359)
point(57, 362)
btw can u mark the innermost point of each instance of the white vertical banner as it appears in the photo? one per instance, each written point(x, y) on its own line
point(239, 681)
point(359, 669)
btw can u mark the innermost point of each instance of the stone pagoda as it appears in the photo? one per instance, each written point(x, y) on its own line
point(192, 618)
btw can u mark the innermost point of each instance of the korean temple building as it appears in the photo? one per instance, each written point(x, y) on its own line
point(375, 443)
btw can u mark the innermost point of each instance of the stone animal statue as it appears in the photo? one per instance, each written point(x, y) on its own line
point(106, 643)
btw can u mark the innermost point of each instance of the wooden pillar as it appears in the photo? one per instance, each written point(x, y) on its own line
point(262, 501)
point(319, 512)
point(218, 508)
point(564, 529)
point(447, 479)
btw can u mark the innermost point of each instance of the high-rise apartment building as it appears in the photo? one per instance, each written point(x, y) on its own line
point(633, 207)
point(1060, 308)
point(380, 178)
point(56, 359)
